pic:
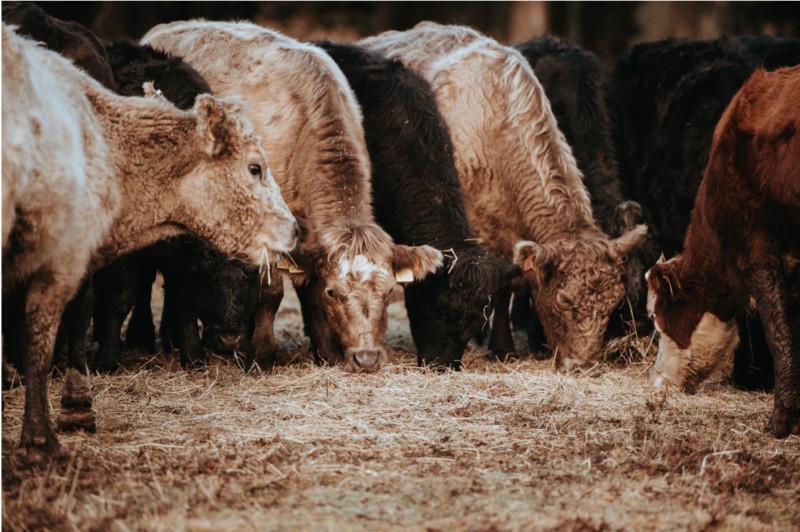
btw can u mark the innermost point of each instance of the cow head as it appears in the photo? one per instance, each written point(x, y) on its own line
point(350, 275)
point(229, 197)
point(224, 291)
point(576, 285)
point(458, 301)
point(693, 341)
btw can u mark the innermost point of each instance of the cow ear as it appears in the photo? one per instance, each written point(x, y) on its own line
point(531, 256)
point(663, 279)
point(212, 123)
point(419, 260)
point(628, 242)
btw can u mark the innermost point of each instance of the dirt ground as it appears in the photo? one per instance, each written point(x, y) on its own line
point(511, 446)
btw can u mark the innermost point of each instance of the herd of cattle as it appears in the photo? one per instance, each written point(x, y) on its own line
point(434, 157)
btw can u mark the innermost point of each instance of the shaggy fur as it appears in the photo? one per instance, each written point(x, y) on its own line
point(311, 126)
point(417, 200)
point(114, 183)
point(70, 39)
point(578, 86)
point(520, 180)
point(729, 258)
point(774, 53)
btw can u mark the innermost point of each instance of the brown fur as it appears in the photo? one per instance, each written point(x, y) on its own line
point(311, 127)
point(89, 175)
point(520, 180)
point(744, 222)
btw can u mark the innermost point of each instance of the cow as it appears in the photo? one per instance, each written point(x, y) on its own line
point(742, 235)
point(308, 117)
point(670, 95)
point(525, 195)
point(72, 40)
point(578, 86)
point(772, 52)
point(417, 200)
point(199, 281)
point(113, 183)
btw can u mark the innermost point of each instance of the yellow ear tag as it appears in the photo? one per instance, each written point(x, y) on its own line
point(285, 264)
point(210, 134)
point(404, 276)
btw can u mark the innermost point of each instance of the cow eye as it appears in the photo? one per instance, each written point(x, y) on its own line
point(390, 292)
point(329, 292)
point(652, 317)
point(255, 169)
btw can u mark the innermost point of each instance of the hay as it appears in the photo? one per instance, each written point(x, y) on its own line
point(510, 446)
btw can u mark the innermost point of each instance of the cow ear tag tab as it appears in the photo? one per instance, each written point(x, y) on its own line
point(404, 276)
point(210, 134)
point(286, 264)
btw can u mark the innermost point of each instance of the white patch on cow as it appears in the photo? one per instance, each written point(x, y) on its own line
point(712, 343)
point(361, 267)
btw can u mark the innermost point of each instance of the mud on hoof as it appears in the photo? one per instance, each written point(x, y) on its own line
point(782, 424)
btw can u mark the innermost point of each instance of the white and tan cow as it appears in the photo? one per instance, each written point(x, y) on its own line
point(89, 175)
point(311, 128)
point(525, 195)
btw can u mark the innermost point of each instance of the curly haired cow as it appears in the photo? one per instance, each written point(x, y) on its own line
point(525, 195)
point(113, 183)
point(743, 232)
point(417, 199)
point(311, 126)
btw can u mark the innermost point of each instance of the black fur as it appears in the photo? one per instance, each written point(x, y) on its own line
point(417, 200)
point(773, 52)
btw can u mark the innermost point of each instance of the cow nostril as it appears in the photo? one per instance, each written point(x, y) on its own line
point(296, 230)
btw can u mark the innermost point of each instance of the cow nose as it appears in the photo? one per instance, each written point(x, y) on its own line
point(229, 340)
point(297, 230)
point(366, 360)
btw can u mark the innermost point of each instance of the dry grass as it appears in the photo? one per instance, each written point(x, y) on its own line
point(496, 447)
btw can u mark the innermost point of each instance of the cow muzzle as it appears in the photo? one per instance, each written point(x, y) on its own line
point(365, 360)
point(229, 340)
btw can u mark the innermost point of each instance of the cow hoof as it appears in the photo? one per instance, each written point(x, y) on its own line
point(105, 366)
point(782, 424)
point(71, 420)
point(43, 453)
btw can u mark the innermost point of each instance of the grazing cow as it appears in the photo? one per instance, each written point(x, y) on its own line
point(521, 183)
point(199, 282)
point(311, 126)
point(114, 183)
point(70, 39)
point(417, 200)
point(742, 235)
point(578, 86)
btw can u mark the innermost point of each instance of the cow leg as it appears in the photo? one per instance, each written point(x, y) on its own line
point(115, 295)
point(263, 350)
point(13, 304)
point(521, 310)
point(76, 399)
point(501, 343)
point(170, 330)
point(47, 299)
point(767, 287)
point(537, 341)
point(325, 345)
point(141, 332)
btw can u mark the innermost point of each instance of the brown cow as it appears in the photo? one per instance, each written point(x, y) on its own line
point(745, 230)
point(89, 175)
point(310, 123)
point(521, 184)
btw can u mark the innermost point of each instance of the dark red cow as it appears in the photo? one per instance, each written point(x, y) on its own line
point(740, 248)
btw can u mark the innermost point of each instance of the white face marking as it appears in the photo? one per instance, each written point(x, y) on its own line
point(712, 343)
point(361, 268)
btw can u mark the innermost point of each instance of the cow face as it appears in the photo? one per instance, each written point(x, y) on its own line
point(576, 286)
point(693, 341)
point(230, 198)
point(458, 303)
point(225, 292)
point(350, 290)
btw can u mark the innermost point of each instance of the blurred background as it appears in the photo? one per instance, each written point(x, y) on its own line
point(606, 28)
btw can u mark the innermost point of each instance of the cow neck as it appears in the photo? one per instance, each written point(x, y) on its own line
point(148, 141)
point(707, 277)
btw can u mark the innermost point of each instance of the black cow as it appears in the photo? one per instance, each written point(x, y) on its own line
point(578, 86)
point(417, 200)
point(199, 281)
point(70, 39)
point(669, 96)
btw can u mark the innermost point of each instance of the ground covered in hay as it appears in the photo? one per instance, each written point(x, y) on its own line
point(510, 446)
